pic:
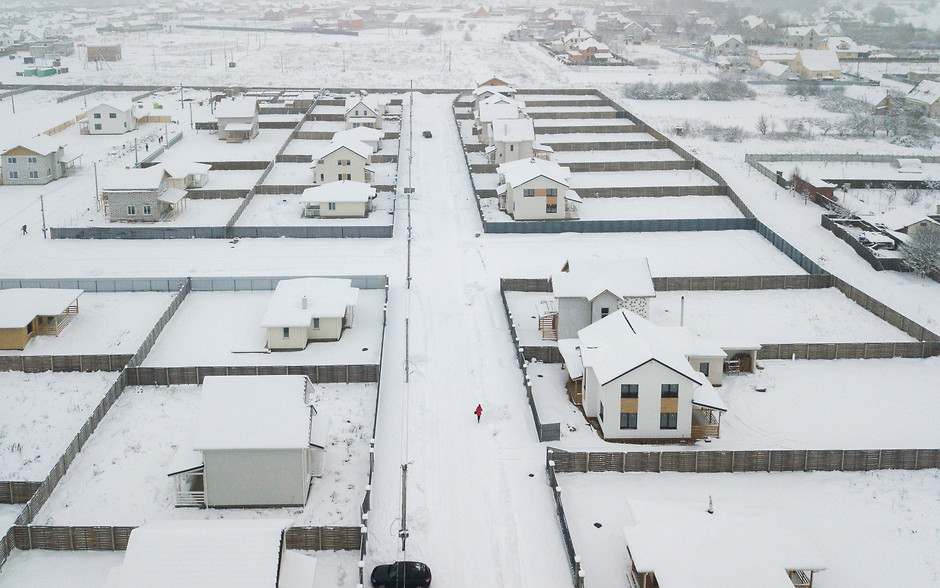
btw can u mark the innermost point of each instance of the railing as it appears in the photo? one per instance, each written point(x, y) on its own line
point(191, 498)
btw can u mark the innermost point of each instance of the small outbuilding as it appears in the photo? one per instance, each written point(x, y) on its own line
point(28, 312)
point(308, 309)
point(257, 442)
point(343, 199)
point(237, 119)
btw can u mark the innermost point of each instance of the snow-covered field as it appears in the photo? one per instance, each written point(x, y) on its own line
point(563, 157)
point(120, 476)
point(280, 210)
point(681, 177)
point(8, 515)
point(198, 212)
point(637, 208)
point(42, 414)
point(223, 328)
point(774, 316)
point(869, 525)
point(106, 323)
point(77, 569)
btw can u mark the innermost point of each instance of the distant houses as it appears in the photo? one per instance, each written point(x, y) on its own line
point(257, 441)
point(926, 96)
point(308, 309)
point(29, 312)
point(725, 45)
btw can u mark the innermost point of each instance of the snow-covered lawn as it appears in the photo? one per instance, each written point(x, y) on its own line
point(235, 179)
point(323, 126)
point(556, 138)
point(774, 316)
point(223, 328)
point(76, 569)
point(42, 413)
point(198, 212)
point(8, 515)
point(120, 476)
point(205, 146)
point(580, 108)
point(290, 174)
point(305, 147)
point(802, 401)
point(106, 323)
point(629, 179)
point(280, 210)
point(637, 208)
point(852, 170)
point(563, 157)
point(880, 524)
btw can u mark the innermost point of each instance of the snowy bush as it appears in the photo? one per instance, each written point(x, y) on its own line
point(922, 252)
point(720, 90)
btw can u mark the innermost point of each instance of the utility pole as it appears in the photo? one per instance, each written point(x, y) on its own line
point(42, 209)
point(181, 94)
point(191, 125)
point(403, 533)
point(136, 162)
point(97, 198)
point(13, 100)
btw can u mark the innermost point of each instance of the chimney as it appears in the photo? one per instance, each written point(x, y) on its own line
point(303, 302)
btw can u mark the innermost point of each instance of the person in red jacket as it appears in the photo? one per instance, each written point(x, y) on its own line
point(478, 412)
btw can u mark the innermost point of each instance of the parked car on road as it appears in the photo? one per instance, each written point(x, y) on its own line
point(401, 574)
point(426, 134)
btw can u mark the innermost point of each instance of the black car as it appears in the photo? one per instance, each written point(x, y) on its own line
point(426, 134)
point(401, 574)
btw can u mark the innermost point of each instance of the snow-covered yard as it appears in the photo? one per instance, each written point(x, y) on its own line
point(564, 157)
point(8, 515)
point(774, 316)
point(869, 525)
point(281, 210)
point(305, 147)
point(197, 212)
point(120, 476)
point(76, 569)
point(43, 413)
point(290, 174)
point(106, 323)
point(628, 179)
point(236, 179)
point(642, 208)
point(559, 138)
point(223, 328)
point(205, 146)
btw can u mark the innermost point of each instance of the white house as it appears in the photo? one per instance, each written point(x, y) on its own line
point(188, 175)
point(588, 290)
point(110, 119)
point(671, 544)
point(343, 199)
point(776, 71)
point(342, 159)
point(876, 98)
point(219, 552)
point(536, 189)
point(308, 309)
point(496, 107)
point(725, 45)
point(817, 64)
point(364, 111)
point(486, 90)
point(369, 136)
point(513, 138)
point(237, 119)
point(925, 95)
point(256, 442)
point(633, 377)
point(38, 160)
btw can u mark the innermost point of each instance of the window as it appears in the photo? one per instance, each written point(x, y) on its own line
point(14, 175)
point(669, 420)
point(97, 115)
point(33, 175)
point(345, 176)
point(331, 206)
point(131, 210)
point(321, 177)
point(286, 332)
point(703, 367)
point(551, 192)
point(512, 147)
point(604, 311)
point(629, 390)
point(112, 115)
point(528, 192)
point(628, 420)
point(97, 127)
point(48, 171)
point(600, 415)
point(551, 208)
point(11, 160)
point(146, 209)
point(30, 160)
point(670, 390)
point(29, 328)
point(316, 323)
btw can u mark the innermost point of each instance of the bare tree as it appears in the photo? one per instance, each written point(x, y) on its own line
point(763, 124)
point(912, 196)
point(890, 193)
point(922, 252)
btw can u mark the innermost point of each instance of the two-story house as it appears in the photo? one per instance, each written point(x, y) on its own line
point(536, 189)
point(38, 160)
point(342, 159)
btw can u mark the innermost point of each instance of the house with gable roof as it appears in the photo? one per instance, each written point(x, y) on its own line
point(237, 119)
point(364, 111)
point(109, 118)
point(38, 160)
point(308, 309)
point(342, 159)
point(536, 189)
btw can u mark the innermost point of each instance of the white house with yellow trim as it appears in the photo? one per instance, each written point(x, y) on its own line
point(342, 159)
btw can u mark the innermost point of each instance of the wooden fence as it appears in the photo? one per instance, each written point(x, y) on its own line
point(17, 492)
point(574, 562)
point(318, 374)
point(762, 460)
point(63, 363)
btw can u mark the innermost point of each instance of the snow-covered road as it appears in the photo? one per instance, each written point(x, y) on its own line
point(474, 513)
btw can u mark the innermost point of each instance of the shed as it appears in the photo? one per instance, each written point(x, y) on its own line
point(28, 312)
point(308, 309)
point(260, 443)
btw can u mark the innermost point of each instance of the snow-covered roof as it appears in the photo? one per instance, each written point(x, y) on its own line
point(773, 69)
point(341, 191)
point(237, 108)
point(119, 104)
point(41, 145)
point(686, 546)
point(134, 179)
point(926, 92)
point(521, 171)
point(357, 147)
point(719, 40)
point(588, 44)
point(179, 170)
point(570, 350)
point(513, 130)
point(499, 107)
point(494, 89)
point(236, 553)
point(752, 21)
point(866, 94)
point(819, 59)
point(19, 306)
point(172, 196)
point(623, 341)
point(323, 297)
point(800, 31)
point(900, 218)
point(588, 278)
point(370, 102)
point(252, 413)
point(578, 34)
point(235, 127)
point(363, 134)
point(706, 396)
